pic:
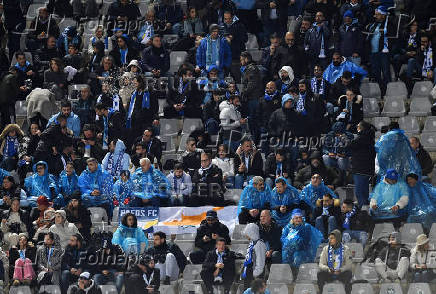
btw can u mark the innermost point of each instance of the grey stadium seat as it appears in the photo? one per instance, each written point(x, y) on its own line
point(21, 109)
point(362, 288)
point(333, 288)
point(278, 288)
point(182, 144)
point(432, 234)
point(305, 288)
point(356, 251)
point(394, 107)
point(422, 89)
point(364, 272)
point(98, 214)
point(428, 140)
point(237, 232)
point(192, 124)
point(396, 89)
point(256, 54)
point(370, 90)
point(308, 273)
point(176, 59)
point(370, 107)
point(409, 232)
point(20, 290)
point(169, 126)
point(186, 237)
point(239, 248)
point(382, 230)
point(168, 143)
point(185, 246)
point(33, 10)
point(108, 289)
point(430, 124)
point(409, 124)
point(167, 289)
point(391, 288)
point(51, 289)
point(66, 22)
point(192, 272)
point(280, 274)
point(192, 289)
point(419, 288)
point(381, 121)
point(420, 107)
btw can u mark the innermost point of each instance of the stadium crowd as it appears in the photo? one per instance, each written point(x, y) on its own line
point(127, 104)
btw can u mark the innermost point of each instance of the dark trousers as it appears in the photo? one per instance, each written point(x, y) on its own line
point(197, 256)
point(208, 279)
point(246, 218)
point(380, 69)
point(327, 277)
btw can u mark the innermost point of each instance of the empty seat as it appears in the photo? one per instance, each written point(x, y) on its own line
point(422, 89)
point(21, 109)
point(428, 140)
point(233, 195)
point(333, 288)
point(33, 10)
point(409, 232)
point(362, 288)
point(432, 234)
point(364, 272)
point(192, 124)
point(430, 124)
point(420, 107)
point(108, 289)
point(409, 124)
point(192, 272)
point(191, 289)
point(256, 55)
point(176, 59)
point(308, 273)
point(278, 288)
point(252, 42)
point(237, 232)
point(394, 107)
point(419, 288)
point(182, 144)
point(280, 274)
point(356, 251)
point(98, 214)
point(51, 289)
point(382, 230)
point(239, 248)
point(186, 236)
point(169, 126)
point(115, 215)
point(305, 288)
point(168, 143)
point(396, 89)
point(185, 246)
point(370, 107)
point(167, 289)
point(381, 121)
point(20, 290)
point(391, 288)
point(370, 90)
point(90, 25)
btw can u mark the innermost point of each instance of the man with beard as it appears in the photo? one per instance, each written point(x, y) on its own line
point(339, 66)
point(79, 215)
point(155, 58)
point(141, 152)
point(124, 53)
point(170, 259)
point(269, 103)
point(153, 145)
point(73, 262)
point(42, 56)
point(41, 27)
point(290, 54)
point(145, 277)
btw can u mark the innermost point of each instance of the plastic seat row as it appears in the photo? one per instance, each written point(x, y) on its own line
point(421, 89)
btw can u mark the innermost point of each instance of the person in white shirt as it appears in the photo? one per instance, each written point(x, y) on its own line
point(226, 164)
point(418, 259)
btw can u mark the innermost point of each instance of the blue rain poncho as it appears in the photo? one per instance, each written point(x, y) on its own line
point(99, 180)
point(289, 197)
point(129, 239)
point(3, 174)
point(152, 184)
point(386, 196)
point(67, 185)
point(117, 161)
point(251, 198)
point(311, 193)
point(394, 152)
point(299, 244)
point(421, 205)
point(123, 190)
point(36, 185)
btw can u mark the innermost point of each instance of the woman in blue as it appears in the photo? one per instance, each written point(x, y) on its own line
point(422, 200)
point(254, 198)
point(315, 190)
point(123, 190)
point(40, 183)
point(300, 241)
point(131, 238)
point(68, 183)
point(284, 199)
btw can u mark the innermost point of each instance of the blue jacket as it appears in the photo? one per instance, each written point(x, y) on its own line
point(117, 161)
point(332, 73)
point(248, 291)
point(98, 180)
point(151, 184)
point(225, 54)
point(36, 185)
point(122, 191)
point(73, 123)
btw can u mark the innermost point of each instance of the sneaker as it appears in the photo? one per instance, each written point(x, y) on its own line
point(16, 283)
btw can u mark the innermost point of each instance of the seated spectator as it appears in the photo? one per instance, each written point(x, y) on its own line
point(68, 36)
point(31, 140)
point(248, 163)
point(74, 58)
point(42, 26)
point(129, 236)
point(10, 190)
point(210, 83)
point(321, 88)
point(43, 226)
point(73, 121)
point(356, 223)
point(284, 199)
point(270, 233)
point(352, 109)
point(258, 286)
point(25, 72)
point(226, 164)
point(57, 161)
point(47, 52)
point(123, 53)
point(192, 25)
point(140, 152)
point(392, 261)
point(84, 284)
point(254, 264)
point(144, 278)
point(232, 123)
point(339, 88)
point(209, 231)
point(300, 241)
point(340, 65)
point(14, 222)
point(22, 257)
point(89, 146)
point(73, 263)
point(315, 190)
point(336, 150)
point(208, 180)
point(422, 155)
point(389, 199)
point(107, 71)
point(155, 58)
point(49, 258)
point(99, 35)
point(84, 106)
point(12, 147)
point(96, 55)
point(255, 197)
point(286, 77)
point(304, 176)
point(153, 146)
point(150, 185)
point(62, 228)
point(181, 186)
point(116, 160)
point(418, 261)
point(169, 258)
point(146, 32)
point(424, 62)
point(219, 266)
point(68, 184)
point(327, 215)
point(276, 166)
point(96, 187)
point(79, 215)
point(171, 12)
point(123, 191)
point(335, 262)
point(191, 157)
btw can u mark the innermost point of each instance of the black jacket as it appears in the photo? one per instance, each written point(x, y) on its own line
point(24, 217)
point(116, 123)
point(135, 282)
point(292, 56)
point(424, 160)
point(130, 10)
point(363, 153)
point(154, 148)
point(92, 289)
point(191, 161)
point(360, 221)
point(334, 211)
point(8, 90)
point(266, 109)
point(155, 58)
point(252, 85)
point(255, 167)
point(211, 110)
point(282, 121)
point(350, 40)
point(240, 37)
point(74, 258)
point(271, 167)
point(393, 254)
point(229, 265)
point(83, 217)
point(205, 230)
point(329, 175)
point(159, 254)
point(209, 183)
point(271, 235)
point(131, 55)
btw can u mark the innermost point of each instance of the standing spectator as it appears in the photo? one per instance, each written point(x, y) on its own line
point(317, 41)
point(129, 236)
point(327, 215)
point(10, 88)
point(269, 103)
point(254, 198)
point(219, 266)
point(424, 62)
point(409, 46)
point(12, 147)
point(191, 157)
point(111, 124)
point(350, 38)
point(63, 8)
point(171, 13)
point(79, 215)
point(181, 186)
point(270, 233)
point(254, 264)
point(248, 163)
point(211, 112)
point(49, 258)
point(22, 257)
point(84, 106)
point(232, 123)
point(356, 223)
point(73, 121)
point(26, 74)
point(209, 232)
point(73, 263)
point(155, 58)
point(339, 67)
point(235, 32)
point(144, 278)
point(68, 36)
point(422, 155)
point(269, 54)
point(289, 54)
point(335, 262)
point(123, 10)
point(14, 222)
point(418, 259)
point(123, 53)
point(63, 228)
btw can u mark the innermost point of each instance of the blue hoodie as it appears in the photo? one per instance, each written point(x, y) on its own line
point(37, 185)
point(98, 180)
point(117, 161)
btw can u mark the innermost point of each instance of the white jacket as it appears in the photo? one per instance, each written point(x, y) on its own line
point(229, 118)
point(259, 251)
point(64, 232)
point(226, 165)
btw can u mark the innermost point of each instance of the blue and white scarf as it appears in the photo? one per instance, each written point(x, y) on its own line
point(279, 169)
point(177, 188)
point(220, 259)
point(300, 104)
point(145, 104)
point(210, 51)
point(115, 170)
point(270, 97)
point(348, 216)
point(248, 259)
point(412, 41)
point(22, 68)
point(182, 87)
point(228, 94)
point(337, 263)
point(123, 54)
point(314, 85)
point(428, 62)
point(11, 146)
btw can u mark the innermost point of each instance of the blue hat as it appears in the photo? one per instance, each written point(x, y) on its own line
point(382, 10)
point(286, 98)
point(296, 212)
point(348, 13)
point(391, 174)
